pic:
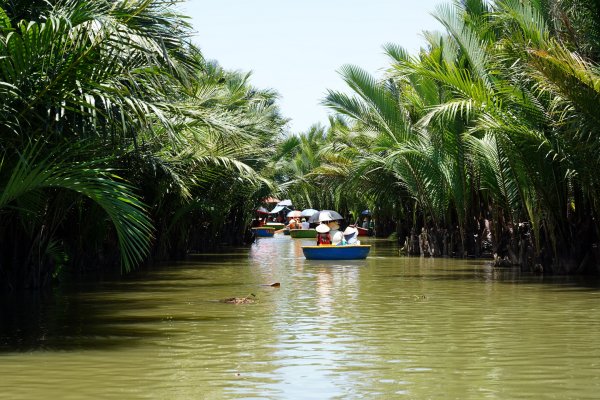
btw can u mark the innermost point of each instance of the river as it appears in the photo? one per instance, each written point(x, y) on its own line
point(383, 328)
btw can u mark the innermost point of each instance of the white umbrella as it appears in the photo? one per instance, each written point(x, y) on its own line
point(294, 214)
point(334, 216)
point(309, 212)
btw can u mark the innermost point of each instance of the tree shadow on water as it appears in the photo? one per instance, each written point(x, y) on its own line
point(47, 321)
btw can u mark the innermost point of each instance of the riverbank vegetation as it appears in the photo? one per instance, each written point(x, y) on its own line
point(121, 144)
point(486, 142)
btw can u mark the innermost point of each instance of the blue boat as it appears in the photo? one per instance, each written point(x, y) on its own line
point(264, 231)
point(346, 252)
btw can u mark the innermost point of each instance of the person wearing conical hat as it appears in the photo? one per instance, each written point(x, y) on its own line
point(334, 228)
point(323, 234)
point(337, 236)
point(351, 235)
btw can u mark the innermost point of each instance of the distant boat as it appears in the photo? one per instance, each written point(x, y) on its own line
point(264, 231)
point(303, 233)
point(276, 225)
point(362, 231)
point(346, 252)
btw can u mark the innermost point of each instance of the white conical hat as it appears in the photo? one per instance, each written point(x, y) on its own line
point(350, 230)
point(322, 228)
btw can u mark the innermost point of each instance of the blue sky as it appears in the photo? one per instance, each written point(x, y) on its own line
point(297, 47)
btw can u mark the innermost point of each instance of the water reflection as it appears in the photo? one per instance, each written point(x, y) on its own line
point(384, 327)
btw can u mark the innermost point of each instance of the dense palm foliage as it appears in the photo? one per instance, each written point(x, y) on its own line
point(119, 141)
point(121, 144)
point(488, 138)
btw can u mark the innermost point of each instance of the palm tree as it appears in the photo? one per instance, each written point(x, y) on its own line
point(33, 238)
point(214, 175)
point(495, 119)
point(79, 82)
point(566, 83)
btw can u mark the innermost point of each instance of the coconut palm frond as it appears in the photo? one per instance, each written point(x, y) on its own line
point(385, 112)
point(572, 78)
point(527, 17)
point(472, 46)
point(33, 173)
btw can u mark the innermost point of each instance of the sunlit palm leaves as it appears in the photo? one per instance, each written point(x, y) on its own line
point(498, 115)
point(99, 68)
point(192, 140)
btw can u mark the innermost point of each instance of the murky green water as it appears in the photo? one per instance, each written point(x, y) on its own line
point(383, 328)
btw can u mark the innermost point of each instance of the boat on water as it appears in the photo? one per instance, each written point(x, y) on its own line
point(303, 233)
point(275, 225)
point(328, 252)
point(264, 231)
point(286, 231)
point(362, 231)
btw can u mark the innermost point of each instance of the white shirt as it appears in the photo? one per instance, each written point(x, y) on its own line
point(336, 236)
point(305, 225)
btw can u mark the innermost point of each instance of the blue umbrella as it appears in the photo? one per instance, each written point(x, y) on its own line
point(366, 212)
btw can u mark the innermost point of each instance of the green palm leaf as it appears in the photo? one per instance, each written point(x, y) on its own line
point(33, 173)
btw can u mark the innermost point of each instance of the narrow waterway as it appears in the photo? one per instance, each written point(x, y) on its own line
point(382, 328)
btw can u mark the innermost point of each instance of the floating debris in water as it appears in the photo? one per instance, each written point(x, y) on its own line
point(275, 284)
point(241, 300)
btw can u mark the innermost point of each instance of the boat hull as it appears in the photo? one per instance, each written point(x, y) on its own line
point(348, 252)
point(264, 231)
point(303, 233)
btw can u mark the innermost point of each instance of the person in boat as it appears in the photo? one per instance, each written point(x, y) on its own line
point(351, 235)
point(305, 224)
point(323, 236)
point(337, 237)
point(334, 228)
point(293, 224)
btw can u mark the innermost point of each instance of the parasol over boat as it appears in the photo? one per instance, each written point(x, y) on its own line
point(322, 215)
point(309, 212)
point(294, 214)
